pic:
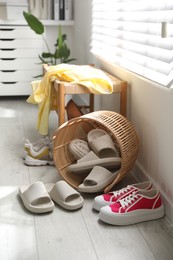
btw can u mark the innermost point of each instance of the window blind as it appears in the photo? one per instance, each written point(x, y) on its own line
point(128, 33)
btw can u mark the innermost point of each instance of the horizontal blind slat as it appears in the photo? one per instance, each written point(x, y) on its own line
point(129, 32)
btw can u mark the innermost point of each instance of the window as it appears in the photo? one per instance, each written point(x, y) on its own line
point(128, 33)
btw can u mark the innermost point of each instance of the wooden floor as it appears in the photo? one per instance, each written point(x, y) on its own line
point(61, 235)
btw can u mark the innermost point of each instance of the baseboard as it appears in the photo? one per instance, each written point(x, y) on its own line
point(141, 175)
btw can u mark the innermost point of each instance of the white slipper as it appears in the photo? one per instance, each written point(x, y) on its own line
point(101, 143)
point(36, 198)
point(86, 163)
point(97, 180)
point(64, 195)
point(79, 148)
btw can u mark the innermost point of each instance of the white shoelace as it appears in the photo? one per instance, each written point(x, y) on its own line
point(128, 200)
point(122, 191)
point(48, 142)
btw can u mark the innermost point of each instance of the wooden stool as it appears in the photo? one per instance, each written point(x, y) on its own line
point(64, 88)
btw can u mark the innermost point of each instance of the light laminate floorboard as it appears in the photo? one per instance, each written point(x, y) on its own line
point(61, 234)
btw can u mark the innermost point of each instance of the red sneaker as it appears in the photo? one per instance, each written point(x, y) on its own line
point(139, 206)
point(112, 197)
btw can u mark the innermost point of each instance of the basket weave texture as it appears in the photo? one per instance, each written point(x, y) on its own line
point(117, 126)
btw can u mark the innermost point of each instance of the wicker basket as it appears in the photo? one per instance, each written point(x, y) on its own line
point(117, 126)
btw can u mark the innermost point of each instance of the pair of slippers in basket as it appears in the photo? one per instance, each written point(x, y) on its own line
point(40, 198)
point(97, 157)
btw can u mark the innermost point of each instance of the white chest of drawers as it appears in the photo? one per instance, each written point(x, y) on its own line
point(19, 62)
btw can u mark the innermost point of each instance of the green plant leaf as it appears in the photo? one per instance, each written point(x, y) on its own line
point(56, 54)
point(60, 38)
point(42, 60)
point(63, 51)
point(34, 23)
point(63, 38)
point(67, 54)
point(47, 55)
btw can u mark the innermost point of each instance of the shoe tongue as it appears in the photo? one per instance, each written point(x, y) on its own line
point(147, 193)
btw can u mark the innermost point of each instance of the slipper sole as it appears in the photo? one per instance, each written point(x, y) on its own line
point(79, 148)
point(85, 167)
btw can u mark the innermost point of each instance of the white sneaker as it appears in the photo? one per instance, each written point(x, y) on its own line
point(39, 153)
point(42, 157)
point(36, 146)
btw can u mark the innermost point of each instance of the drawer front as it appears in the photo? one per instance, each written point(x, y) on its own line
point(17, 75)
point(19, 64)
point(22, 32)
point(15, 89)
point(19, 53)
point(21, 43)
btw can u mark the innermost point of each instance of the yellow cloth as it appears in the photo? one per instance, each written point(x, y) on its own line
point(44, 95)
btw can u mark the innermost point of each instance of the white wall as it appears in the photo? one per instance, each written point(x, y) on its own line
point(149, 109)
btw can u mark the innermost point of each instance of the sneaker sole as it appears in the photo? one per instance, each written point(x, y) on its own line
point(35, 162)
point(24, 155)
point(132, 217)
